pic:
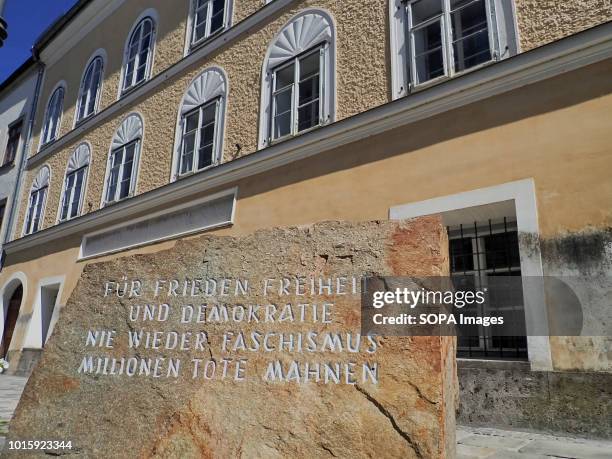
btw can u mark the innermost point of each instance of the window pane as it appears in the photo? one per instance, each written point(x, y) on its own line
point(461, 255)
point(285, 77)
point(428, 52)
point(191, 122)
point(76, 196)
point(424, 10)
point(201, 14)
point(282, 112)
point(187, 154)
point(216, 21)
point(470, 34)
point(205, 156)
point(30, 213)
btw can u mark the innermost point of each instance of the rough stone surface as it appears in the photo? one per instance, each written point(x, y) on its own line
point(518, 398)
point(409, 413)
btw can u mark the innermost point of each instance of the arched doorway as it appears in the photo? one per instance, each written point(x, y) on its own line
point(11, 313)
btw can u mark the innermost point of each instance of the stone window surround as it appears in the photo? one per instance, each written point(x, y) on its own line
point(522, 192)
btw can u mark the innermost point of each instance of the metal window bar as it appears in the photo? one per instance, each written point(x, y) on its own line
point(483, 249)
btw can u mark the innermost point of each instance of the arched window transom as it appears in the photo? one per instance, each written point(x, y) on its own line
point(123, 160)
point(298, 91)
point(36, 203)
point(201, 123)
point(139, 54)
point(53, 116)
point(74, 184)
point(90, 89)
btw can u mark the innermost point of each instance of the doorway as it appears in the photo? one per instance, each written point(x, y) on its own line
point(10, 320)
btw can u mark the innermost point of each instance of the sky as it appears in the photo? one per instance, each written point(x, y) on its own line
point(27, 19)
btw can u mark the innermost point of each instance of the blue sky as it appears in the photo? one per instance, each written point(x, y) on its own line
point(27, 19)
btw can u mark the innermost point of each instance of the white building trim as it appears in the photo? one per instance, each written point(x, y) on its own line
point(523, 194)
point(557, 58)
point(9, 287)
point(34, 334)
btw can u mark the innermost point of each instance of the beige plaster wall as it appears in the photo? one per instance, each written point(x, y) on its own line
point(361, 79)
point(543, 21)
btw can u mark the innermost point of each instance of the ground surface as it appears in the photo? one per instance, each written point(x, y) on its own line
point(472, 443)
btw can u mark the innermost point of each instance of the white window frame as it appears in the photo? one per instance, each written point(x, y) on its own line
point(190, 42)
point(73, 166)
point(523, 194)
point(196, 146)
point(123, 148)
point(98, 56)
point(72, 196)
point(291, 41)
point(503, 41)
point(37, 200)
point(130, 130)
point(447, 48)
point(53, 136)
point(150, 15)
point(208, 86)
point(320, 49)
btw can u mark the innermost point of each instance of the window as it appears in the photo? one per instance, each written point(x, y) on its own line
point(90, 89)
point(200, 125)
point(296, 95)
point(208, 18)
point(198, 138)
point(123, 160)
point(74, 184)
point(298, 92)
point(2, 210)
point(36, 204)
point(486, 250)
point(53, 116)
point(447, 37)
point(139, 54)
point(14, 135)
point(432, 40)
point(122, 171)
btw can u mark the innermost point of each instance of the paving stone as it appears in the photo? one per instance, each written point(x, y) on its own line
point(473, 452)
point(494, 441)
point(506, 454)
point(574, 450)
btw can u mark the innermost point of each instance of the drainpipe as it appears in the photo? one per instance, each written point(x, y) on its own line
point(3, 25)
point(24, 153)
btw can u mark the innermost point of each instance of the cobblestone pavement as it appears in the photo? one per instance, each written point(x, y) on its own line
point(472, 443)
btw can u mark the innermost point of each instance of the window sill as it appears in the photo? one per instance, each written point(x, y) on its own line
point(463, 363)
point(199, 44)
point(125, 92)
point(442, 79)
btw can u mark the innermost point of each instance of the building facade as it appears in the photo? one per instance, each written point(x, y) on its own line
point(162, 120)
point(17, 104)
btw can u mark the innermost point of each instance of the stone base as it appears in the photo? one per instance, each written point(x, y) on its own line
point(22, 362)
point(508, 395)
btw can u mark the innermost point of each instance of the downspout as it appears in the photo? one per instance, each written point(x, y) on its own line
point(24, 155)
